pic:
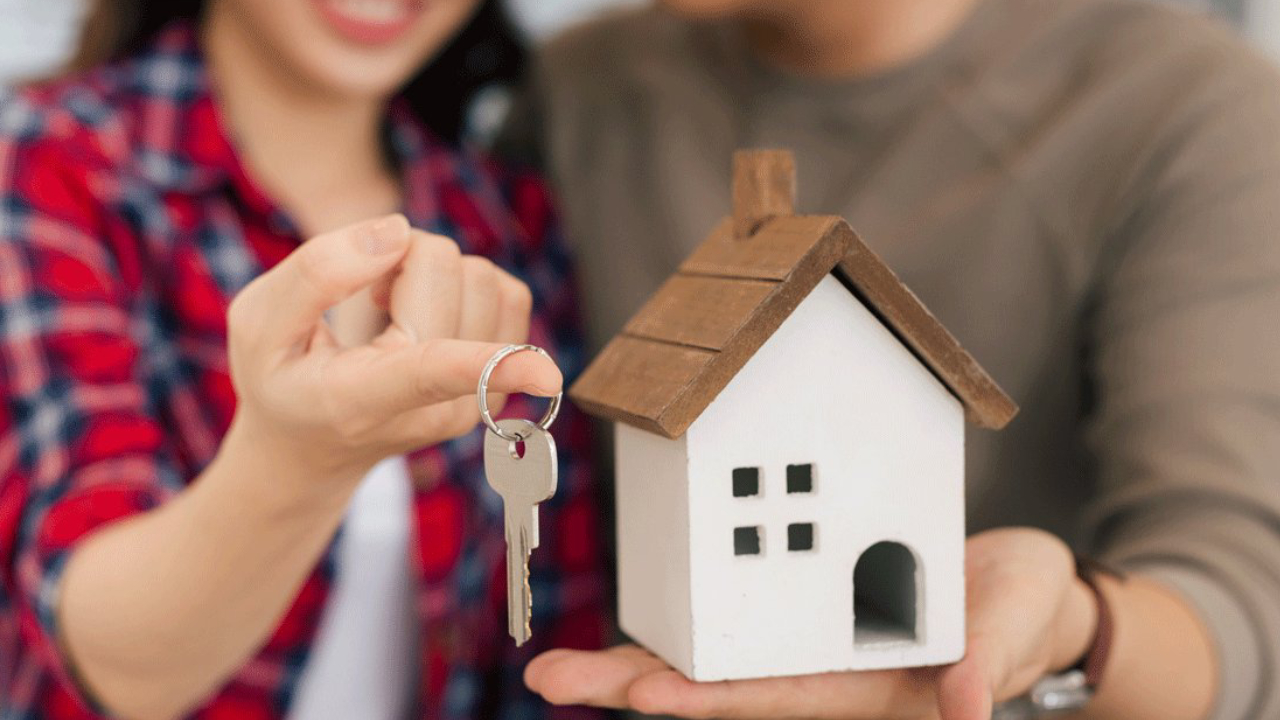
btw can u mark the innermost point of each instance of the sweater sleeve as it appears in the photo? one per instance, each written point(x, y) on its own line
point(1185, 362)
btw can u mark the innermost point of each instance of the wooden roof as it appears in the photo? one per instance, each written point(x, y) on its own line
point(683, 347)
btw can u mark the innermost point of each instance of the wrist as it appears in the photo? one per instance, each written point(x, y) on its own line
point(279, 476)
point(1077, 626)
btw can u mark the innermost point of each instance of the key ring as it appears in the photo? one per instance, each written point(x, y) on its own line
point(482, 393)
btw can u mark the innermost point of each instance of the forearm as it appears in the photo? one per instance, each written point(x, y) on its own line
point(1162, 664)
point(158, 610)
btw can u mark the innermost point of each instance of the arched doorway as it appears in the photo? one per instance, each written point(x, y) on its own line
point(886, 592)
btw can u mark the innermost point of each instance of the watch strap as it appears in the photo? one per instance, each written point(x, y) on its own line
point(1094, 662)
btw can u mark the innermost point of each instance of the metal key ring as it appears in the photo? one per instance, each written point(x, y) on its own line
point(482, 393)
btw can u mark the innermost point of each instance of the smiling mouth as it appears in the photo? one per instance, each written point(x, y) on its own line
point(370, 21)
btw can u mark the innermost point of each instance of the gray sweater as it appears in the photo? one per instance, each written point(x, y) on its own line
point(1086, 192)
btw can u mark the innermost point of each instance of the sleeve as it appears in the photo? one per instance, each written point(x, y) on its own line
point(1185, 362)
point(569, 578)
point(82, 447)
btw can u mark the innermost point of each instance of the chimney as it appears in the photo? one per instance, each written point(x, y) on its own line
point(764, 187)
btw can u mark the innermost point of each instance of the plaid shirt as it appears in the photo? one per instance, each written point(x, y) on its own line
point(126, 226)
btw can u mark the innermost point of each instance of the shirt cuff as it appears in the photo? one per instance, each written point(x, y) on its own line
point(65, 524)
point(46, 607)
point(1240, 653)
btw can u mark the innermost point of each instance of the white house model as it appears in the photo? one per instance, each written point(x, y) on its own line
point(790, 452)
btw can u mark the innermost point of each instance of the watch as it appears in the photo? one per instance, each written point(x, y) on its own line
point(1052, 694)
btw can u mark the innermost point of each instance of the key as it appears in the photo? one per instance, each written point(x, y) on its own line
point(523, 482)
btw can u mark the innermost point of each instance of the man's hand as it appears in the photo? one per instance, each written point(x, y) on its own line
point(1028, 615)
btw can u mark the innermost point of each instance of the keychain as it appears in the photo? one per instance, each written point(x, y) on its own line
point(523, 479)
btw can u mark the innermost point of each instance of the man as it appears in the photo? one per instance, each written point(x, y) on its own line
point(1086, 192)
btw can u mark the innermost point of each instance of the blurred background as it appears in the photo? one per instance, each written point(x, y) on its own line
point(36, 35)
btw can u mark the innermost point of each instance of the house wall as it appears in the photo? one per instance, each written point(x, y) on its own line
point(834, 388)
point(653, 544)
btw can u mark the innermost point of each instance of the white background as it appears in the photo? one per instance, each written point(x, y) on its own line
point(543, 17)
point(36, 35)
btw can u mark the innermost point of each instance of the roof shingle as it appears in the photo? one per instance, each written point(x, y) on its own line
point(697, 331)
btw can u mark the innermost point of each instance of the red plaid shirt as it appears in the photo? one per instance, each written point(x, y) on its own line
point(127, 224)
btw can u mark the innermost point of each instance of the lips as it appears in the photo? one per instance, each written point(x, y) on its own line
point(370, 22)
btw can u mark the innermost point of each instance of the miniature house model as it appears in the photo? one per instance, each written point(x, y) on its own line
point(790, 452)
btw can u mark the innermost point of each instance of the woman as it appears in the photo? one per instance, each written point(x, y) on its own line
point(1086, 192)
point(173, 474)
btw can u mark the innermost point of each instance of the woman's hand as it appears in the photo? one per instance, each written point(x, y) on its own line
point(161, 608)
point(1028, 615)
point(305, 398)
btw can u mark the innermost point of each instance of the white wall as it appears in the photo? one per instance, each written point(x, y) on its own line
point(1259, 19)
point(543, 18)
point(36, 36)
point(653, 544)
point(1263, 23)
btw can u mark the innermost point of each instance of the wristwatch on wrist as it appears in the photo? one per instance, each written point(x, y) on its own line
point(1074, 688)
point(1052, 694)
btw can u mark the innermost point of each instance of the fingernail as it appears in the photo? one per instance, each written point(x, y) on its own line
point(386, 235)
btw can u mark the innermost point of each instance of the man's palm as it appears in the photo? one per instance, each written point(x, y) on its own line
point(1018, 584)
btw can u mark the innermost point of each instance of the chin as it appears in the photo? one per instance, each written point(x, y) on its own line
point(357, 48)
point(340, 72)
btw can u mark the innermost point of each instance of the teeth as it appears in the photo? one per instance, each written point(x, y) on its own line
point(372, 11)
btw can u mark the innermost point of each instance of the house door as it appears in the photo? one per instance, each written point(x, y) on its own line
point(886, 591)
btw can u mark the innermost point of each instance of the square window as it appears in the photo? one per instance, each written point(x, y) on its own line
point(746, 481)
point(799, 479)
point(746, 541)
point(800, 536)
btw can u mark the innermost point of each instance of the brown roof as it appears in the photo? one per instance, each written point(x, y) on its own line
point(698, 330)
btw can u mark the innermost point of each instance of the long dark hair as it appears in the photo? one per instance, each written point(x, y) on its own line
point(487, 52)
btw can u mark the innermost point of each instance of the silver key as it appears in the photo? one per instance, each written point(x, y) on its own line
point(523, 482)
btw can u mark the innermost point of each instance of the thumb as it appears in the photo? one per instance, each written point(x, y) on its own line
point(964, 689)
point(440, 370)
point(286, 302)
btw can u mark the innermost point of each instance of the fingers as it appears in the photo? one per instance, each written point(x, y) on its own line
point(496, 306)
point(964, 690)
point(516, 310)
point(441, 293)
point(436, 371)
point(481, 299)
point(1017, 581)
point(426, 297)
point(848, 695)
point(284, 304)
point(575, 677)
point(630, 677)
